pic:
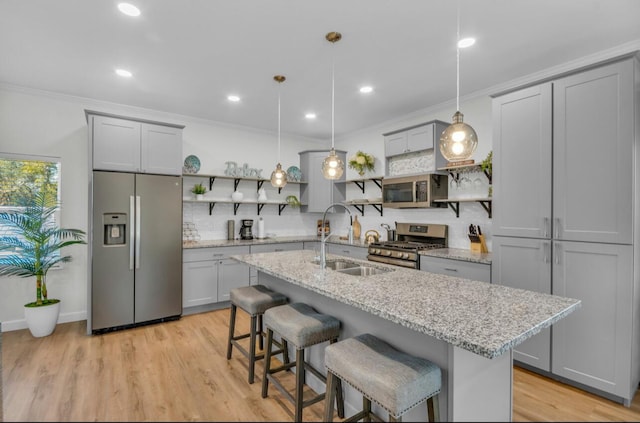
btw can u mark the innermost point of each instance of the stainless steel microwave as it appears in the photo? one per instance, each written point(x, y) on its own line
point(414, 191)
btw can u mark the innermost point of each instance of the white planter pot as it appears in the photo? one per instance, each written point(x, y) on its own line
point(199, 197)
point(42, 320)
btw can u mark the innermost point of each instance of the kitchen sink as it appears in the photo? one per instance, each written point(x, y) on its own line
point(351, 268)
point(338, 264)
point(364, 270)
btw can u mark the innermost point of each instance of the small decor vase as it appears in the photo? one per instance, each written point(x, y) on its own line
point(237, 196)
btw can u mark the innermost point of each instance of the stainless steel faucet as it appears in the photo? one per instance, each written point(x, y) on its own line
point(323, 240)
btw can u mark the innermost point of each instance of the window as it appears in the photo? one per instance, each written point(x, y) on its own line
point(23, 176)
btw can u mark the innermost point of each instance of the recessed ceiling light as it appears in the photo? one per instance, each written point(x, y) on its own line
point(366, 89)
point(310, 115)
point(124, 73)
point(129, 9)
point(233, 98)
point(466, 42)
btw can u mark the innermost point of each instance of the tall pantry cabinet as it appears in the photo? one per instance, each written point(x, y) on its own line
point(565, 219)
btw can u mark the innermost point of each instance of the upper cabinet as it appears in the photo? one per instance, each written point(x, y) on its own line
point(319, 192)
point(416, 138)
point(551, 144)
point(134, 145)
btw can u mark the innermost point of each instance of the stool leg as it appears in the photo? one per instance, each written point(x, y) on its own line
point(330, 396)
point(339, 395)
point(299, 383)
point(267, 364)
point(366, 409)
point(232, 325)
point(252, 348)
point(433, 409)
point(260, 340)
point(285, 354)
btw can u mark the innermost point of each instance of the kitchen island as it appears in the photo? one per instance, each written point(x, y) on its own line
point(466, 327)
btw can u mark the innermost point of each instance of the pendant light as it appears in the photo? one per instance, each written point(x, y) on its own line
point(459, 140)
point(333, 166)
point(279, 176)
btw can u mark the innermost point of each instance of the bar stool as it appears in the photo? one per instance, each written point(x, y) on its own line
point(254, 300)
point(303, 327)
point(395, 380)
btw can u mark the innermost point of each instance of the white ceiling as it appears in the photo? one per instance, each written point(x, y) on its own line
point(188, 55)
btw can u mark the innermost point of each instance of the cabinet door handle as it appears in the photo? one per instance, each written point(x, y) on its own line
point(545, 252)
point(545, 223)
point(556, 227)
point(450, 269)
point(556, 253)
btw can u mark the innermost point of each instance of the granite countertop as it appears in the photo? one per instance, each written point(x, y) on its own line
point(483, 318)
point(458, 254)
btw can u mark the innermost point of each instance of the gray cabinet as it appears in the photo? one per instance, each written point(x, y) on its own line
point(348, 250)
point(592, 133)
point(525, 263)
point(416, 138)
point(596, 344)
point(565, 184)
point(458, 268)
point(208, 274)
point(319, 192)
point(129, 145)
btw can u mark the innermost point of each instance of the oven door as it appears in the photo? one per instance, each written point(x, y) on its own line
point(395, 261)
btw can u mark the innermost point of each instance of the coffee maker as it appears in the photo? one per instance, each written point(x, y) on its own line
point(245, 229)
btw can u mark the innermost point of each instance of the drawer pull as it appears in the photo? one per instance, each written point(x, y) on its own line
point(218, 255)
point(450, 269)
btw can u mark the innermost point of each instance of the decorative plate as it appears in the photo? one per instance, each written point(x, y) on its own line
point(294, 174)
point(191, 164)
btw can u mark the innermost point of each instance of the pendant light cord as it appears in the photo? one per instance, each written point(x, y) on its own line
point(333, 95)
point(458, 59)
point(279, 122)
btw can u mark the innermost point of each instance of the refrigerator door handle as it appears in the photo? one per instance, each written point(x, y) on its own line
point(556, 227)
point(138, 238)
point(545, 252)
point(132, 213)
point(546, 226)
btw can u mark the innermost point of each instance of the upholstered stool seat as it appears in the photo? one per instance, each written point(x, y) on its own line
point(395, 380)
point(254, 300)
point(302, 326)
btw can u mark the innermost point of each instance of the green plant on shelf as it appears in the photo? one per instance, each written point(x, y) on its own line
point(487, 164)
point(361, 161)
point(198, 189)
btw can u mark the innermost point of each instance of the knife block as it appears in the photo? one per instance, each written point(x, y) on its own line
point(479, 247)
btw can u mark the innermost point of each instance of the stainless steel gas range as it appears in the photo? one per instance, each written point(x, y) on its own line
point(411, 239)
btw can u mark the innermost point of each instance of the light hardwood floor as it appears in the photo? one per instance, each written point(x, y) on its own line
point(177, 371)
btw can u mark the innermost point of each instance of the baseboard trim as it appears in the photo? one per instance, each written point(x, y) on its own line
point(19, 324)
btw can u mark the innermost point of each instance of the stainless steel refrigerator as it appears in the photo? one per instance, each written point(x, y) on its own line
point(136, 250)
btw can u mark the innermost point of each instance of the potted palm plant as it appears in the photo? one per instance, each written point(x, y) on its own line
point(30, 245)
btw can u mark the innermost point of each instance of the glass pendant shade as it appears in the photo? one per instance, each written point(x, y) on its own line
point(459, 140)
point(278, 177)
point(332, 166)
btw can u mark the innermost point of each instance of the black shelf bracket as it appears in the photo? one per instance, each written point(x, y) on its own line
point(360, 185)
point(488, 175)
point(377, 207)
point(260, 186)
point(360, 208)
point(260, 206)
point(455, 206)
point(236, 182)
point(280, 208)
point(211, 180)
point(211, 207)
point(378, 182)
point(235, 208)
point(486, 204)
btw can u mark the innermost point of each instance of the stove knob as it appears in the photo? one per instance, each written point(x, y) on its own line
point(387, 253)
point(398, 254)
